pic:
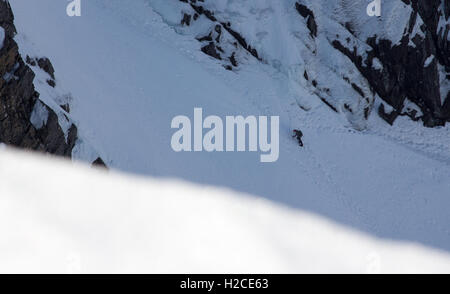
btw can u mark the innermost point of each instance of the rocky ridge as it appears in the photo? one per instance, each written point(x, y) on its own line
point(26, 120)
point(409, 71)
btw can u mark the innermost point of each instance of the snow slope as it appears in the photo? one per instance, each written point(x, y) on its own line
point(130, 72)
point(109, 223)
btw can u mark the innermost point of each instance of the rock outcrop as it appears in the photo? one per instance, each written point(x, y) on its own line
point(222, 42)
point(415, 70)
point(20, 105)
point(344, 56)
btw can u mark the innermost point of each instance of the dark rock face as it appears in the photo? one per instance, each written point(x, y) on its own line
point(47, 66)
point(18, 100)
point(222, 33)
point(309, 16)
point(99, 163)
point(210, 49)
point(410, 69)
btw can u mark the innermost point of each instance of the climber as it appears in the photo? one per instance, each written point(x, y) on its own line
point(298, 134)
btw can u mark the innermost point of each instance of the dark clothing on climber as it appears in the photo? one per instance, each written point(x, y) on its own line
point(298, 135)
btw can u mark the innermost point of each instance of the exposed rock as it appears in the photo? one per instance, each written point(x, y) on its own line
point(210, 49)
point(186, 19)
point(233, 59)
point(19, 100)
point(241, 40)
point(309, 16)
point(410, 68)
point(47, 66)
point(7, 18)
point(99, 163)
point(30, 61)
point(214, 38)
point(66, 107)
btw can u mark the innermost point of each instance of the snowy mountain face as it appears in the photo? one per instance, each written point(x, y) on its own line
point(344, 57)
point(31, 119)
point(25, 120)
point(332, 48)
point(360, 88)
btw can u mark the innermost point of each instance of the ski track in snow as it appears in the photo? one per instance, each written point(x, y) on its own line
point(124, 106)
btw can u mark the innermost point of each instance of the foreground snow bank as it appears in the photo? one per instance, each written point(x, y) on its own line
point(391, 182)
point(56, 217)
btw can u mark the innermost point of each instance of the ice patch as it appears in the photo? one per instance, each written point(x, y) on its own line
point(2, 37)
point(39, 116)
point(428, 61)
